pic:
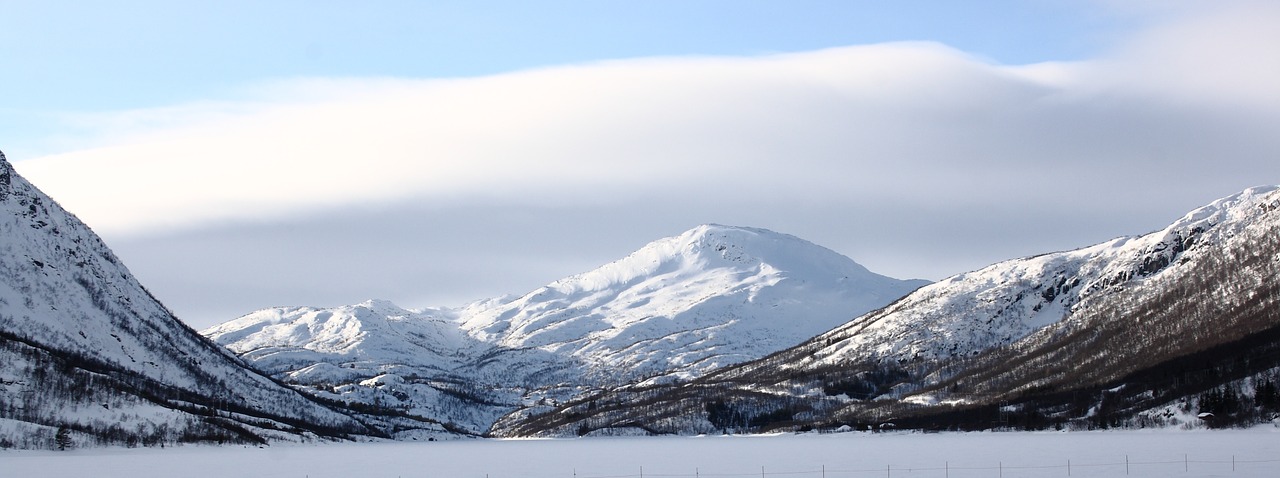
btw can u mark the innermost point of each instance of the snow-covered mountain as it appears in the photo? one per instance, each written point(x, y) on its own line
point(675, 309)
point(1002, 303)
point(712, 296)
point(84, 347)
point(410, 372)
point(1069, 324)
point(717, 328)
point(278, 340)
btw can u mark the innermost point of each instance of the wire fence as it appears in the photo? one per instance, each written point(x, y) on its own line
point(1186, 466)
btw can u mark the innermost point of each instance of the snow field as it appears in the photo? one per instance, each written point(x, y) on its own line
point(1255, 452)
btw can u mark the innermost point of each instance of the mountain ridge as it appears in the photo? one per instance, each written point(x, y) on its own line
point(719, 328)
point(692, 279)
point(942, 350)
point(1075, 275)
point(673, 309)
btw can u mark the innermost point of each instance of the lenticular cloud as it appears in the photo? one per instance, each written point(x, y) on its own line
point(871, 126)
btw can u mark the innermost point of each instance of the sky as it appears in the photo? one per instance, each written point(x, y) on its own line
point(240, 155)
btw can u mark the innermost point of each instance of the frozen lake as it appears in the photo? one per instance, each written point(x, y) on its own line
point(1233, 453)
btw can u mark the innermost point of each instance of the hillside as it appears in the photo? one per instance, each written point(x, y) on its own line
point(413, 373)
point(87, 350)
point(1115, 333)
point(673, 310)
point(681, 306)
point(717, 329)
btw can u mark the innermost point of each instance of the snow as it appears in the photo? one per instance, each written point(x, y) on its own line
point(683, 305)
point(678, 307)
point(63, 292)
point(1235, 453)
point(997, 305)
point(672, 307)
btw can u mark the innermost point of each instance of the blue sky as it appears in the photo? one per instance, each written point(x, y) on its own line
point(68, 57)
point(239, 155)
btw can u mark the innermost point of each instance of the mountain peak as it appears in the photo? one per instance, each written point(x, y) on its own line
point(683, 302)
point(711, 232)
point(383, 307)
point(736, 242)
point(711, 228)
point(727, 248)
point(1231, 206)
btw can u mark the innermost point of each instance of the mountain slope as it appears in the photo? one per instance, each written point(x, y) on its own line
point(676, 308)
point(1057, 325)
point(412, 374)
point(684, 305)
point(1005, 302)
point(86, 347)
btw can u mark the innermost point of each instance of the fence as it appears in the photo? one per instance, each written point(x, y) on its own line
point(1232, 466)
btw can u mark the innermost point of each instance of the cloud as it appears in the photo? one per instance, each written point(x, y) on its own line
point(862, 121)
point(1204, 52)
point(617, 126)
point(914, 158)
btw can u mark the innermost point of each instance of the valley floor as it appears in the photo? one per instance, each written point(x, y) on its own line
point(1230, 453)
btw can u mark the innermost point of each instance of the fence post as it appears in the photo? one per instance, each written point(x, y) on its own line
point(1126, 464)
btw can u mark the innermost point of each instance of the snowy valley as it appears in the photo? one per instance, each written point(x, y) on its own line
point(1234, 453)
point(720, 329)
